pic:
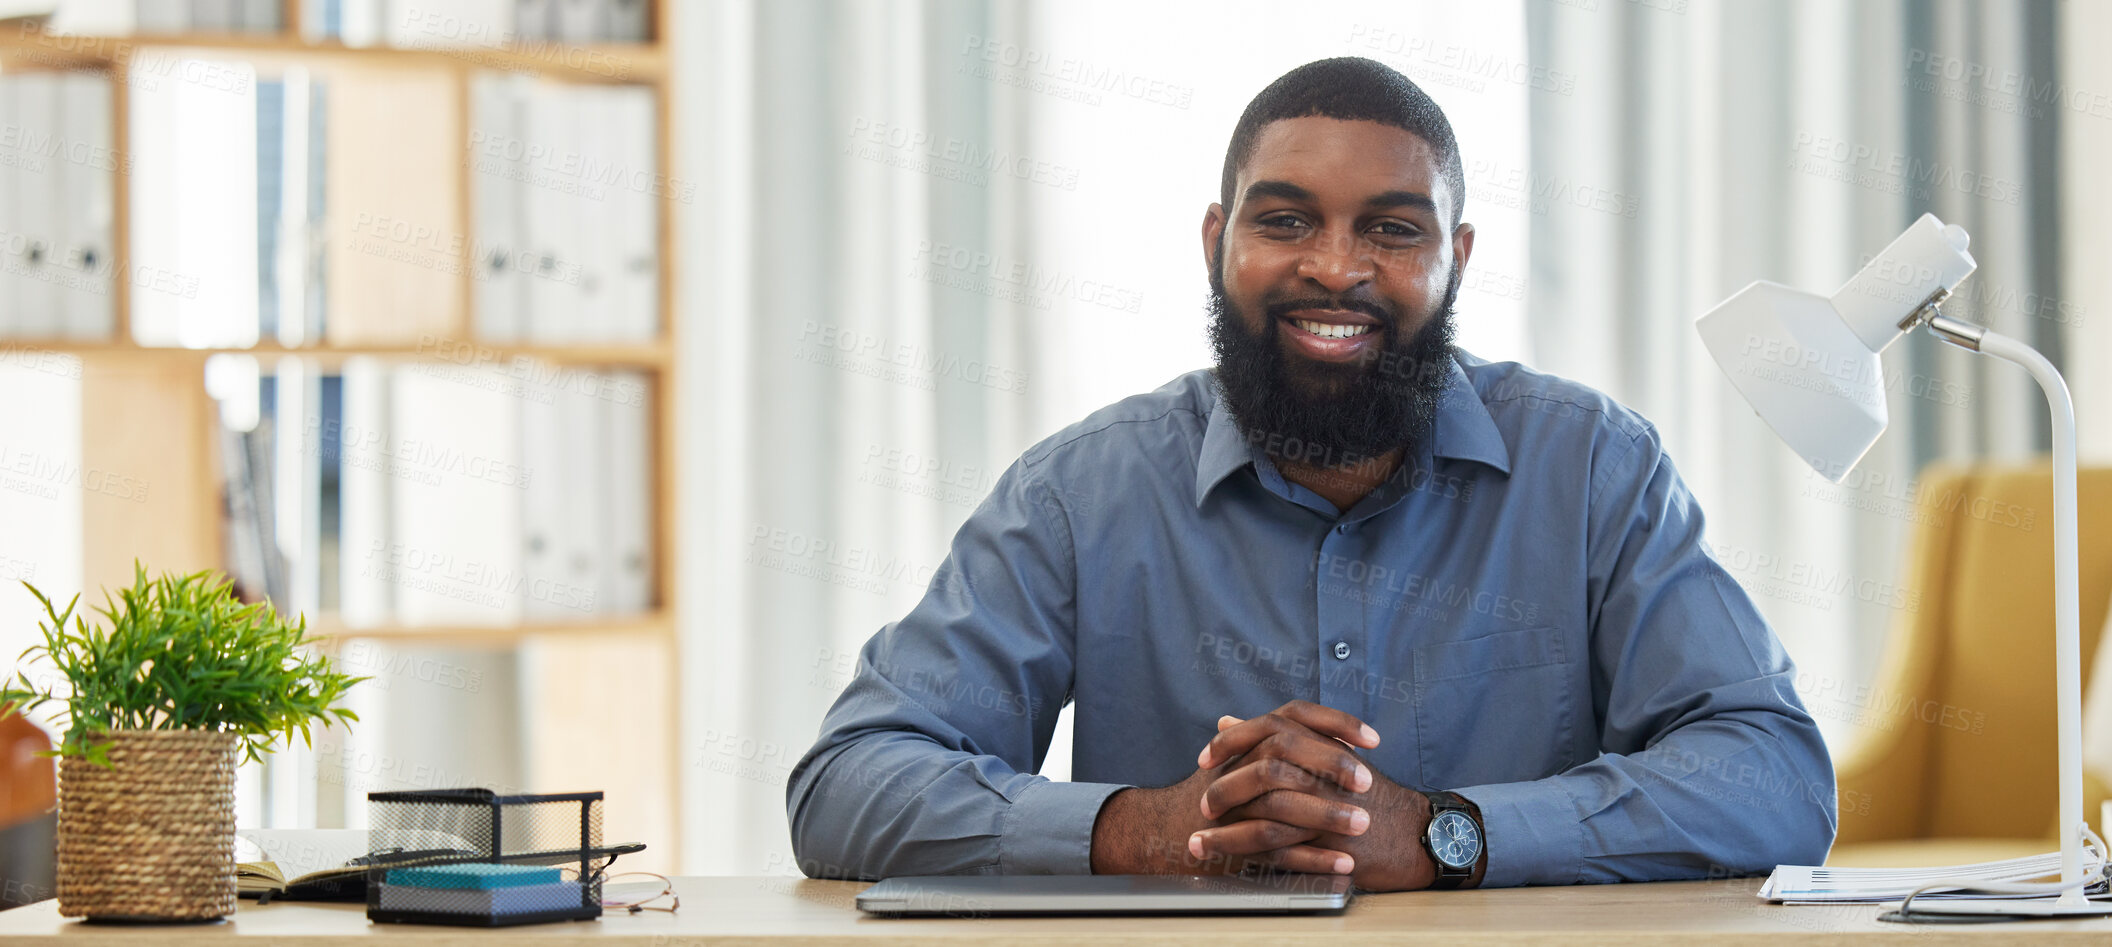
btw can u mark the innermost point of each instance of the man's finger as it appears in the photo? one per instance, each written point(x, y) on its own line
point(1285, 761)
point(1250, 837)
point(1307, 858)
point(1304, 810)
point(1236, 739)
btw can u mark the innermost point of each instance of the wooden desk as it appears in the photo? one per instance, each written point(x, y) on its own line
point(799, 911)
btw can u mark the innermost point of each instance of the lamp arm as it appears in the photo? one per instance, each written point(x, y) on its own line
point(2067, 617)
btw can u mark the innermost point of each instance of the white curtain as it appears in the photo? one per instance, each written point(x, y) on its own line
point(1790, 141)
point(838, 402)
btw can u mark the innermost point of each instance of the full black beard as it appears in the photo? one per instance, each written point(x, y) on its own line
point(1332, 415)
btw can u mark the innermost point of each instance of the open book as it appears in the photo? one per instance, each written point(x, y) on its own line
point(321, 864)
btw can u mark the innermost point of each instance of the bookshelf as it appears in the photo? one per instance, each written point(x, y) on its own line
point(398, 147)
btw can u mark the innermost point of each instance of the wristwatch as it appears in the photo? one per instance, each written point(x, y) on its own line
point(1453, 839)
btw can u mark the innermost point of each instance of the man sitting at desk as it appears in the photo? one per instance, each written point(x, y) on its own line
point(1355, 601)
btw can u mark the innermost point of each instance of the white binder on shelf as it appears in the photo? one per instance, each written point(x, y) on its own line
point(451, 23)
point(556, 270)
point(632, 238)
point(88, 184)
point(162, 16)
point(11, 236)
point(258, 16)
point(597, 203)
point(365, 598)
point(498, 164)
point(629, 21)
point(586, 537)
point(582, 21)
point(209, 16)
point(362, 22)
point(37, 205)
point(455, 513)
point(627, 419)
point(544, 443)
point(533, 19)
point(94, 18)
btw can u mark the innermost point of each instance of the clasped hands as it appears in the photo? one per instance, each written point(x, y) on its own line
point(1283, 791)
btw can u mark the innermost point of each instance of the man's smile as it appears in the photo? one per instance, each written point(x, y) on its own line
point(1332, 335)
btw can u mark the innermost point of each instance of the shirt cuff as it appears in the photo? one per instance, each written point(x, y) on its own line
point(1534, 832)
point(1049, 828)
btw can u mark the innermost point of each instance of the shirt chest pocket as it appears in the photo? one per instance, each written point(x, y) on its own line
point(1495, 708)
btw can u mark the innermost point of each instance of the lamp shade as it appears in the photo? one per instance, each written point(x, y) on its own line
point(1803, 370)
point(1808, 364)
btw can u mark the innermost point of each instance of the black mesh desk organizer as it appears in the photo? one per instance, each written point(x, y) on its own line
point(477, 827)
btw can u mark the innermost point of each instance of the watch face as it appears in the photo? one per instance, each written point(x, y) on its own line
point(1454, 839)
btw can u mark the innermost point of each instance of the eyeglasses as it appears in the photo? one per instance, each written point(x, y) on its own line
point(640, 894)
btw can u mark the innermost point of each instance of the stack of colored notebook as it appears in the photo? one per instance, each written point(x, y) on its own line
point(480, 889)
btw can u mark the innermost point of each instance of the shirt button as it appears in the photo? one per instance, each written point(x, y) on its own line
point(1344, 528)
point(1341, 650)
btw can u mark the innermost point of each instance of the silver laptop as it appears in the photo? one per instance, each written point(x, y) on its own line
point(988, 895)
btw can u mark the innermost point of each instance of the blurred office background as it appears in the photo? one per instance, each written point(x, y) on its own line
point(604, 382)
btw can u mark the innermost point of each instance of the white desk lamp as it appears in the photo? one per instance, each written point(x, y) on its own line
point(1809, 367)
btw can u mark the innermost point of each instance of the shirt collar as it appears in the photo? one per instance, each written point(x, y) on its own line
point(1464, 431)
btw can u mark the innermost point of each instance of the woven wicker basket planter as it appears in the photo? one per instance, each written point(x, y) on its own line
point(153, 835)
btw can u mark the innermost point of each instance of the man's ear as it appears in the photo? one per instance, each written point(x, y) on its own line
point(1213, 228)
point(1462, 244)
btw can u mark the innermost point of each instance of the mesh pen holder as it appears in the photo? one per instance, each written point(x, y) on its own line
point(469, 857)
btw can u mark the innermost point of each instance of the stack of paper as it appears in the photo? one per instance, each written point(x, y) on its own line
point(1814, 884)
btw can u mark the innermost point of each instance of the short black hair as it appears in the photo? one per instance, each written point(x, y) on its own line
point(1350, 88)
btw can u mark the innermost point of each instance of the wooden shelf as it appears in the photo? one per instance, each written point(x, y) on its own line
point(398, 148)
point(466, 354)
point(573, 62)
point(653, 625)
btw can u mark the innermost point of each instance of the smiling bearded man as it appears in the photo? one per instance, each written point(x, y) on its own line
point(1353, 602)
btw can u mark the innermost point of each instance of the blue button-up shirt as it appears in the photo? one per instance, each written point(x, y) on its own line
point(1526, 612)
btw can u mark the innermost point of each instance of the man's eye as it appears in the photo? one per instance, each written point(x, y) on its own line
point(1393, 229)
point(1282, 222)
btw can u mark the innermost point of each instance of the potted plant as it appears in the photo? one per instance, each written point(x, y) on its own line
point(161, 698)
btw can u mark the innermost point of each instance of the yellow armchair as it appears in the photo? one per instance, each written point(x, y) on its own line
point(1961, 766)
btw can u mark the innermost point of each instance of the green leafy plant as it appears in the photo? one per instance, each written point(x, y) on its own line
point(180, 652)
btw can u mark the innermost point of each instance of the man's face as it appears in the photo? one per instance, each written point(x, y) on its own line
point(1333, 276)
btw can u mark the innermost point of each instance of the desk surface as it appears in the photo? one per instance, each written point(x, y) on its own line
point(800, 911)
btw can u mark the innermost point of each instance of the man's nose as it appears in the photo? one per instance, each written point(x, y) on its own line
point(1336, 260)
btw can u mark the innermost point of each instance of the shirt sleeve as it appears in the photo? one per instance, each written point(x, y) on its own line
point(1709, 763)
point(925, 765)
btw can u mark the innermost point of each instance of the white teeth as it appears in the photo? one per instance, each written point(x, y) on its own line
point(1328, 330)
